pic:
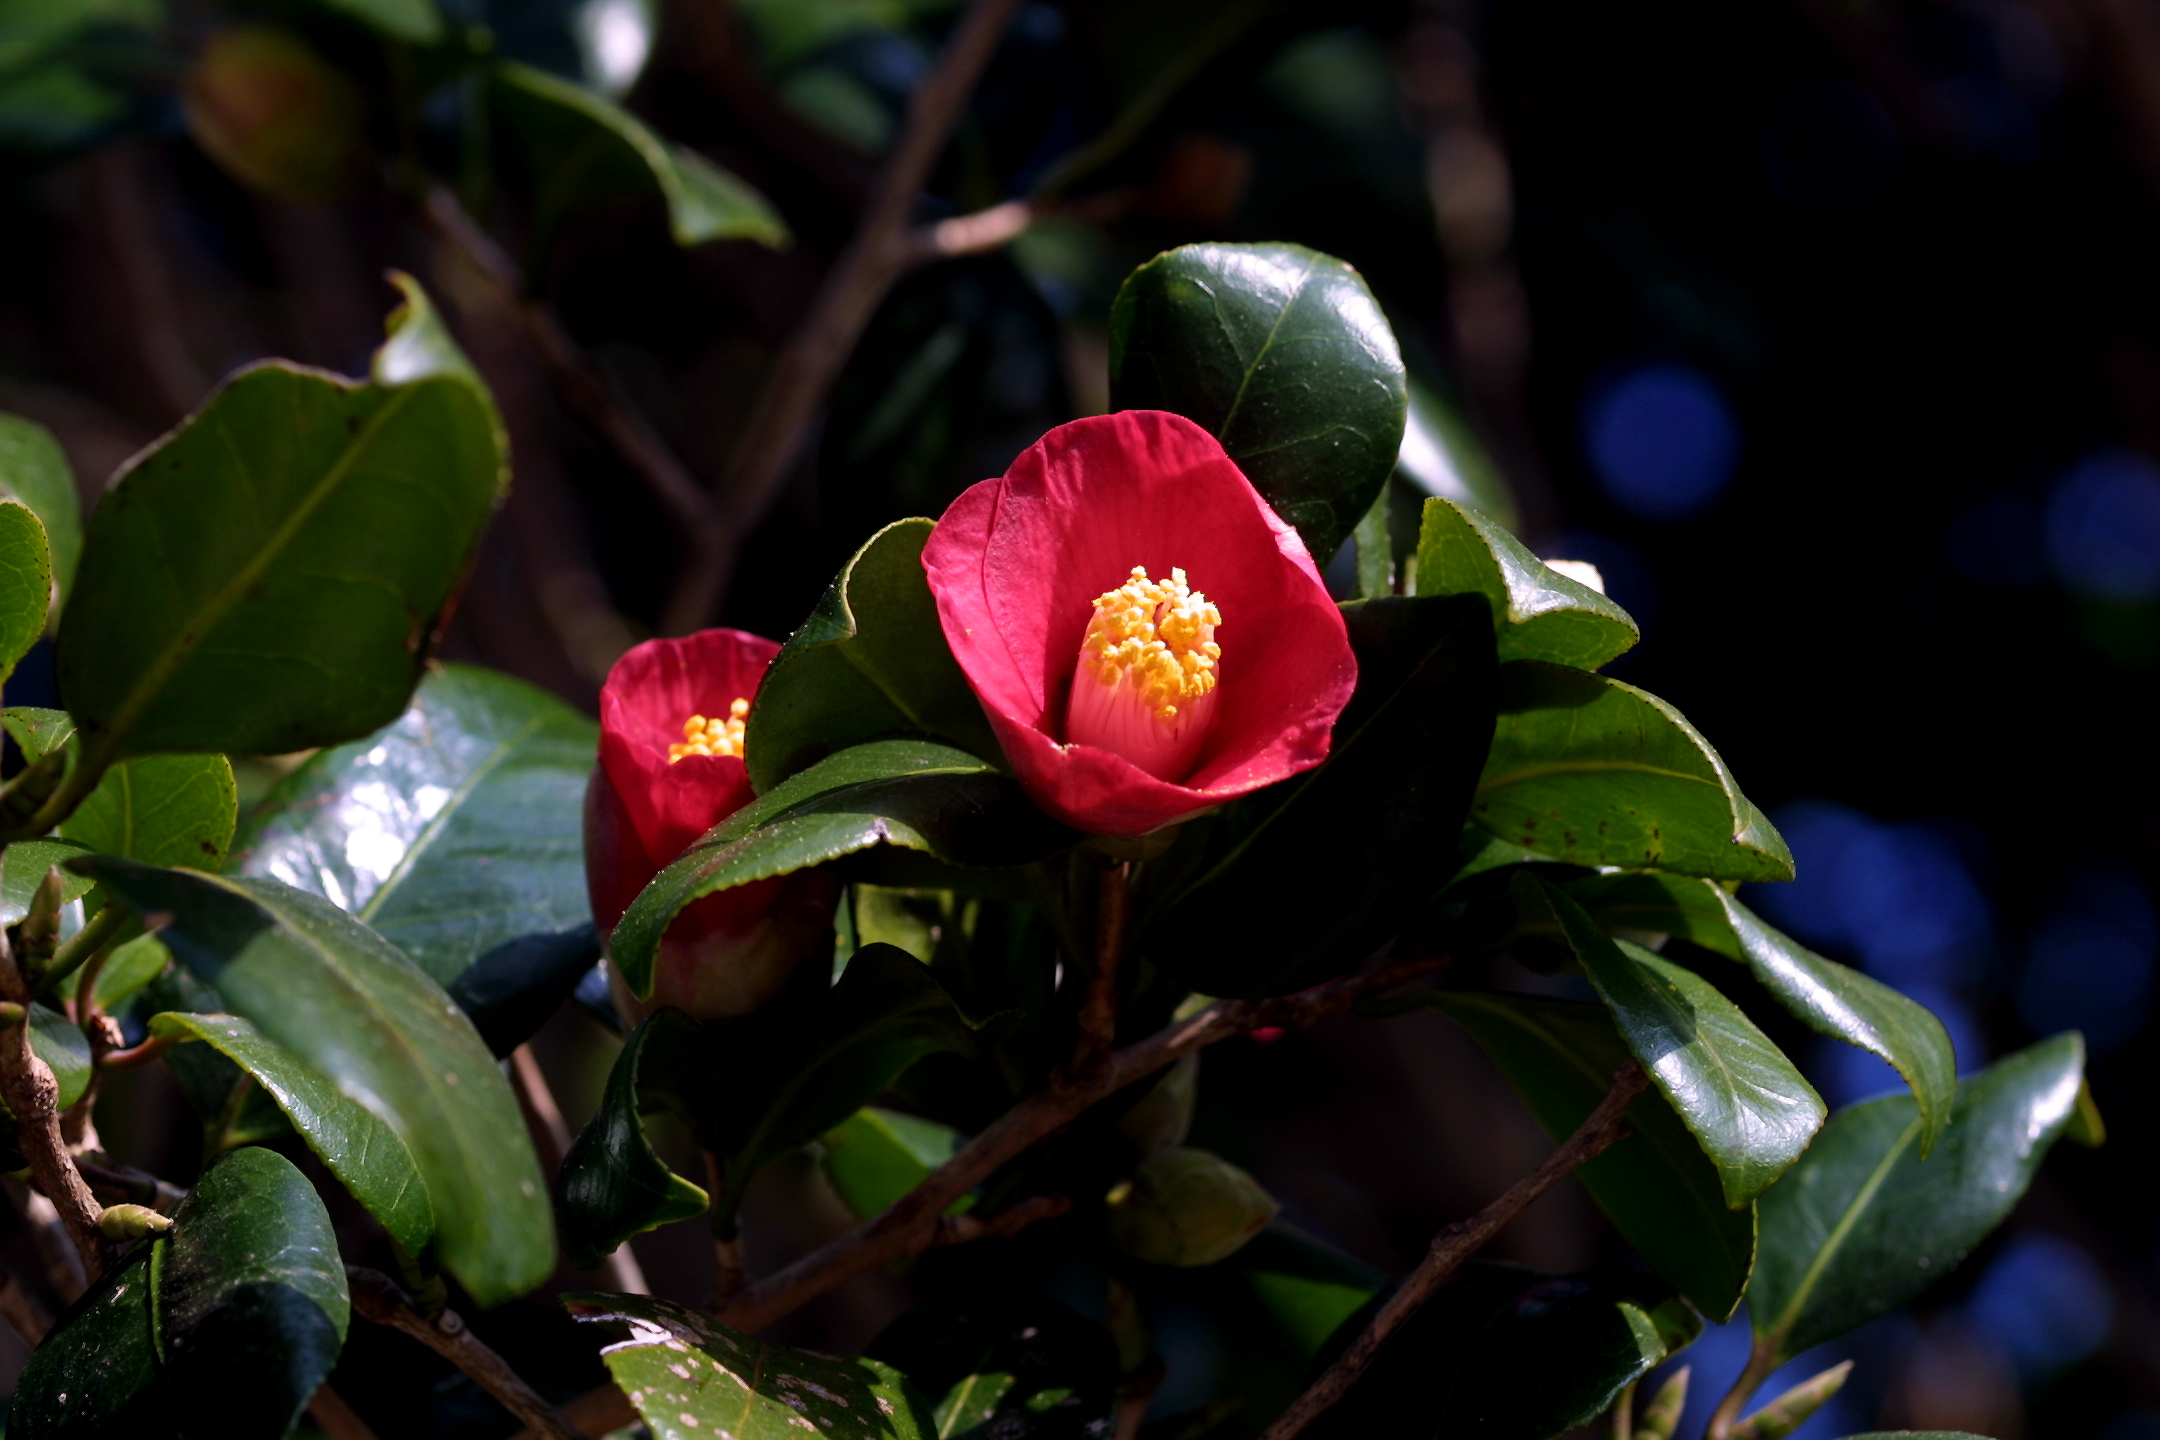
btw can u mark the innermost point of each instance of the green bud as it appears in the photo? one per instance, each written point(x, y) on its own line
point(1187, 1207)
point(1791, 1410)
point(1161, 1118)
point(132, 1222)
point(1662, 1417)
point(276, 115)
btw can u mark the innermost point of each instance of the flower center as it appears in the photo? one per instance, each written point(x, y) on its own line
point(712, 737)
point(1144, 687)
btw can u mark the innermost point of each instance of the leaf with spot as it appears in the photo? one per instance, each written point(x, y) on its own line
point(1283, 355)
point(1862, 1224)
point(692, 1378)
point(160, 810)
point(1538, 613)
point(227, 1324)
point(349, 1004)
point(452, 831)
point(270, 576)
point(1595, 772)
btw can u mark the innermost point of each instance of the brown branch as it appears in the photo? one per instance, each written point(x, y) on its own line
point(138, 1056)
point(336, 1418)
point(811, 360)
point(382, 1300)
point(964, 1229)
point(975, 234)
point(23, 1311)
point(33, 1099)
point(1098, 1011)
point(1458, 1243)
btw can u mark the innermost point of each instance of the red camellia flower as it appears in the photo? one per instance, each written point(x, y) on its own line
point(1148, 638)
point(671, 730)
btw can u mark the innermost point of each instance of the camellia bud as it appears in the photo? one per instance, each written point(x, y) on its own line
point(1162, 1117)
point(1187, 1208)
point(275, 115)
point(131, 1222)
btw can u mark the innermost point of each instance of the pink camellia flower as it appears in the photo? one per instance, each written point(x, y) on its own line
point(1148, 638)
point(671, 731)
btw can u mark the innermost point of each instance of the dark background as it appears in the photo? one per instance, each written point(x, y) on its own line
point(1827, 330)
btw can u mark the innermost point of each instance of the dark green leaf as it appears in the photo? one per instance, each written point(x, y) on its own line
point(692, 1378)
point(578, 148)
point(876, 1156)
point(1750, 1107)
point(1039, 1372)
point(1370, 829)
point(1594, 772)
point(1538, 613)
point(1503, 1353)
point(511, 991)
point(1307, 1288)
point(128, 969)
point(453, 831)
point(1833, 999)
point(270, 576)
point(415, 21)
point(870, 663)
point(344, 1000)
point(234, 1110)
point(1863, 1224)
point(23, 867)
point(1375, 551)
point(160, 810)
point(25, 583)
point(364, 1153)
point(611, 1185)
point(34, 469)
point(1282, 353)
point(909, 793)
point(1657, 1186)
point(226, 1325)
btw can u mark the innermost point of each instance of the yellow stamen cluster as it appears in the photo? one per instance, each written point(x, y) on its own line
point(1158, 636)
point(712, 737)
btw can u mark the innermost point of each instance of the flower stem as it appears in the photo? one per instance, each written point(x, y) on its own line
point(1098, 1010)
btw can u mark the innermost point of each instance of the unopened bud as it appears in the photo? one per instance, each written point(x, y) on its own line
point(1662, 1417)
point(1187, 1207)
point(275, 114)
point(1791, 1410)
point(131, 1222)
point(1162, 1117)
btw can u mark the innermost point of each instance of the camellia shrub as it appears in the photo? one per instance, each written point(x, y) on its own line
point(951, 888)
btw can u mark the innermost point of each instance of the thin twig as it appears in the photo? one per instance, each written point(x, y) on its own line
point(974, 234)
point(23, 1311)
point(382, 1300)
point(135, 1057)
point(337, 1418)
point(33, 1099)
point(813, 356)
point(1098, 1011)
point(1457, 1243)
point(964, 1229)
point(1762, 1364)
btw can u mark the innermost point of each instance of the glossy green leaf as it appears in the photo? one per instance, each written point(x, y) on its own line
point(270, 576)
point(578, 148)
point(1595, 772)
point(227, 1324)
point(1374, 551)
point(23, 867)
point(611, 1185)
point(1307, 1288)
point(416, 21)
point(692, 1378)
point(1538, 613)
point(876, 1156)
point(160, 810)
point(870, 663)
point(1750, 1107)
point(1280, 352)
point(34, 470)
point(908, 793)
point(1658, 1188)
point(128, 969)
point(364, 1153)
point(1504, 1353)
point(1832, 999)
point(1863, 1224)
point(25, 583)
point(452, 831)
point(345, 1001)
point(1370, 829)
point(1033, 1372)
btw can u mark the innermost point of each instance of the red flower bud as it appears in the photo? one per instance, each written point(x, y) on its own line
point(670, 769)
point(1147, 637)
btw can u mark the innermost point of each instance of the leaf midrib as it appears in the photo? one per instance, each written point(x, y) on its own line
point(1835, 1241)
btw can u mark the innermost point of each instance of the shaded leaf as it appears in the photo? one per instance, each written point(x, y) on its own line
point(1750, 1107)
point(25, 583)
point(344, 1000)
point(513, 990)
point(1306, 1287)
point(23, 867)
point(270, 576)
point(870, 663)
point(1538, 613)
point(578, 148)
point(128, 969)
point(1657, 1186)
point(611, 1185)
point(233, 1109)
point(1369, 829)
point(1832, 999)
point(1280, 352)
point(1863, 1224)
point(247, 1283)
point(34, 470)
point(692, 1378)
point(908, 793)
point(876, 1156)
point(454, 830)
point(1595, 772)
point(363, 1152)
point(415, 21)
point(1033, 1372)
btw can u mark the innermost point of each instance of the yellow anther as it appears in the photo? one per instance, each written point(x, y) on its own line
point(1144, 685)
point(712, 737)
